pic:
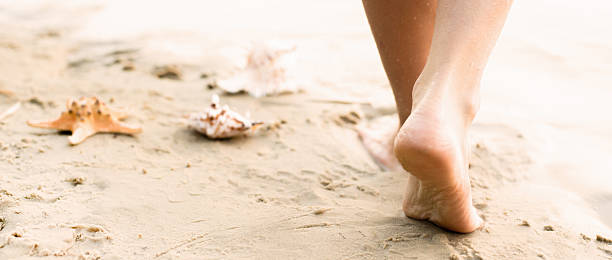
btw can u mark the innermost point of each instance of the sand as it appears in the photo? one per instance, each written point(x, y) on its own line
point(305, 188)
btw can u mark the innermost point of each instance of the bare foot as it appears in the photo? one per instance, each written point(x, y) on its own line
point(432, 146)
point(378, 137)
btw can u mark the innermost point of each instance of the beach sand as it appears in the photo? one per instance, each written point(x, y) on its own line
point(305, 188)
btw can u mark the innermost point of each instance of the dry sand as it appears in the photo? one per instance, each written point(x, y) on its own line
point(308, 189)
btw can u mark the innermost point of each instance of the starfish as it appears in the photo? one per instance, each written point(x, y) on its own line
point(86, 117)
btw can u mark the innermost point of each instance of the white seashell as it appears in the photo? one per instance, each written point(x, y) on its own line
point(221, 122)
point(264, 72)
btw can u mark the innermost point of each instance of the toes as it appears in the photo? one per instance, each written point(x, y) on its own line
point(379, 149)
point(377, 137)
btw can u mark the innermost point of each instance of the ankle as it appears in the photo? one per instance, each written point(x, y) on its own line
point(470, 105)
point(460, 93)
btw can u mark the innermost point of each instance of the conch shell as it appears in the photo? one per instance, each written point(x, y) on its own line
point(263, 72)
point(221, 122)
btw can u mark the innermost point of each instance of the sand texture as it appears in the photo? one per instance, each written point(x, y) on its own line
point(302, 186)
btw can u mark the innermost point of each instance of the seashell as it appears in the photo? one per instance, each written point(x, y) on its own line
point(220, 122)
point(262, 72)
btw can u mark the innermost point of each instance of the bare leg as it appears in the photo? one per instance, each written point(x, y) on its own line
point(432, 142)
point(403, 31)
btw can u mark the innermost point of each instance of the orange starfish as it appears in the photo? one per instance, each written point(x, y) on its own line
point(86, 117)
